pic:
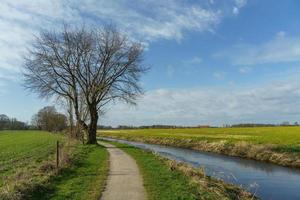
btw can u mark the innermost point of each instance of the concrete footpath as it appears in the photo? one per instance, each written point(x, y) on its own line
point(124, 180)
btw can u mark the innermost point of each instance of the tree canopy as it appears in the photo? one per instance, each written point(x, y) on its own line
point(49, 119)
point(88, 67)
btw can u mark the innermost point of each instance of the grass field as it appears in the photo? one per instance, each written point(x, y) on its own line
point(279, 145)
point(27, 167)
point(165, 180)
point(24, 150)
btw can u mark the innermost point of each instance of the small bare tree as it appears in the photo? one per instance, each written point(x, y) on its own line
point(49, 119)
point(96, 65)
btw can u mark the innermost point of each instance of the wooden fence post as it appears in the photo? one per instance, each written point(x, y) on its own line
point(57, 154)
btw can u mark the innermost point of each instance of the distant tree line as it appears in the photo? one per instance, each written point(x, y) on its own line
point(152, 127)
point(251, 125)
point(262, 125)
point(7, 123)
point(47, 119)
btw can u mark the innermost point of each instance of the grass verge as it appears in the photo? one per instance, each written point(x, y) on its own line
point(167, 180)
point(83, 179)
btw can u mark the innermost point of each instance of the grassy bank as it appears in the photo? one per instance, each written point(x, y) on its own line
point(27, 167)
point(83, 179)
point(167, 180)
point(279, 145)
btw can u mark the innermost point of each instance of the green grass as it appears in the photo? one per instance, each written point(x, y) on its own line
point(24, 150)
point(27, 167)
point(162, 183)
point(285, 138)
point(85, 179)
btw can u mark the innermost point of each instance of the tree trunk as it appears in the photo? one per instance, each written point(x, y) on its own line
point(92, 129)
point(71, 118)
point(78, 116)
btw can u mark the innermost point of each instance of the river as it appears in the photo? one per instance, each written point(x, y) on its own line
point(267, 181)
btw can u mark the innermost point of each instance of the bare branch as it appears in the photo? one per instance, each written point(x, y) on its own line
point(90, 67)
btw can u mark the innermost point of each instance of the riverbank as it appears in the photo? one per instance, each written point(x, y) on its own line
point(167, 179)
point(278, 145)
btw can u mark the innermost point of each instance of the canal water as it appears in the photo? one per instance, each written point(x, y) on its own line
point(267, 181)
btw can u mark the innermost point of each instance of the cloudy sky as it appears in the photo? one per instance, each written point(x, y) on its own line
point(212, 61)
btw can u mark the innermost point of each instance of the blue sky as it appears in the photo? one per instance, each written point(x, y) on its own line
point(212, 61)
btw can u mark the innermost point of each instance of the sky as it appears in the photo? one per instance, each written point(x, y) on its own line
point(213, 62)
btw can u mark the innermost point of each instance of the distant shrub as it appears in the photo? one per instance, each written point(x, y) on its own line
point(48, 119)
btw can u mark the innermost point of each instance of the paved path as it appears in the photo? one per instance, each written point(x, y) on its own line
point(124, 180)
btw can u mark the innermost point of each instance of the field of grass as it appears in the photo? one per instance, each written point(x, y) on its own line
point(24, 150)
point(27, 167)
point(283, 136)
point(165, 180)
point(279, 145)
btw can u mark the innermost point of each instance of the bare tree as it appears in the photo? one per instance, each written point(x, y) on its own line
point(76, 130)
point(49, 119)
point(96, 65)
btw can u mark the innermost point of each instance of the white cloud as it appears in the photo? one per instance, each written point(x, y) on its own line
point(2, 89)
point(280, 49)
point(235, 10)
point(244, 69)
point(187, 67)
point(194, 61)
point(7, 76)
point(145, 20)
point(170, 71)
point(166, 19)
point(170, 19)
point(219, 75)
point(238, 5)
point(268, 103)
point(281, 34)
